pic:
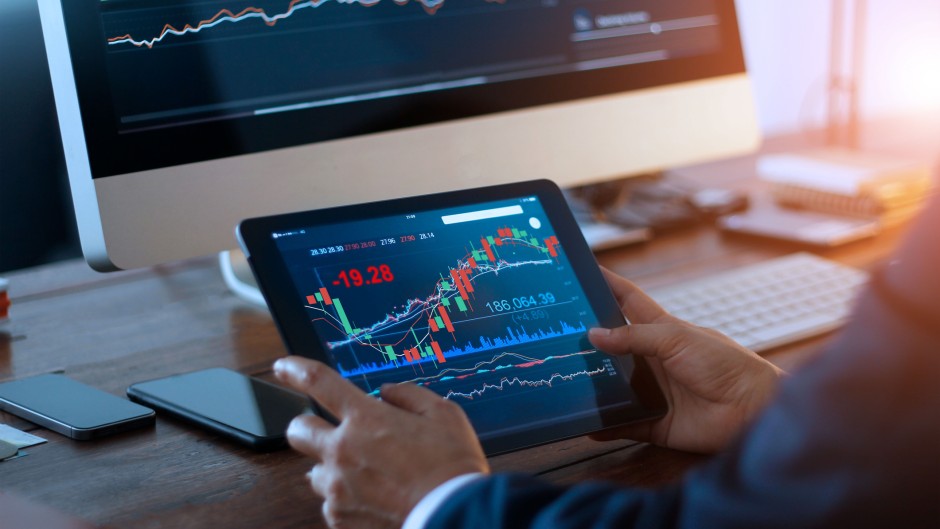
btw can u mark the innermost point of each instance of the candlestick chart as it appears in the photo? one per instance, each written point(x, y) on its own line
point(474, 315)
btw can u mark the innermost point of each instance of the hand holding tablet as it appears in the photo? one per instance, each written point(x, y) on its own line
point(482, 296)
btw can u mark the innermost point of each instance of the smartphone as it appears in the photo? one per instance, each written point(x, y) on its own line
point(245, 409)
point(71, 408)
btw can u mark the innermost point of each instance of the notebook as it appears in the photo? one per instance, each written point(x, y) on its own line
point(848, 182)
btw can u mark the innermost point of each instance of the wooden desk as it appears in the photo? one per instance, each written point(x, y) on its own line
point(112, 330)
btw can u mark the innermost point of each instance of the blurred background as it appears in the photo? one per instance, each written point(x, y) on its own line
point(787, 45)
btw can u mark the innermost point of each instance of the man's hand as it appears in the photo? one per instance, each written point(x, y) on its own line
point(713, 385)
point(383, 456)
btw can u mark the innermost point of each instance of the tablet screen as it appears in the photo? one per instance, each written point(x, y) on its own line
point(478, 303)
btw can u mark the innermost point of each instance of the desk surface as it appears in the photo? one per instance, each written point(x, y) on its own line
point(112, 330)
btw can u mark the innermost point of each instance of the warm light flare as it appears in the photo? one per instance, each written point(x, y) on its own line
point(903, 63)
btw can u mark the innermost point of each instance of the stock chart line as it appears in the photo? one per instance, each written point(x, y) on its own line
point(521, 382)
point(435, 310)
point(249, 13)
point(479, 368)
point(512, 338)
point(492, 365)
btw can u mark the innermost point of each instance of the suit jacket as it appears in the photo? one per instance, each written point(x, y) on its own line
point(852, 440)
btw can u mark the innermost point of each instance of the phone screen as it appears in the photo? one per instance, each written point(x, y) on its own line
point(223, 396)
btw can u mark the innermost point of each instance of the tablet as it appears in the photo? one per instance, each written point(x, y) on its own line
point(484, 296)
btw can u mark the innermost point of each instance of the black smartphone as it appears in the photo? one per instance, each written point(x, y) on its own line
point(71, 408)
point(248, 410)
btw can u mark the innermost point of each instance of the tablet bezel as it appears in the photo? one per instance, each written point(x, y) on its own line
point(270, 270)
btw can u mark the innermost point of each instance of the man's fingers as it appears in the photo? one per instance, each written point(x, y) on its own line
point(317, 478)
point(309, 434)
point(413, 398)
point(325, 385)
point(618, 341)
point(660, 340)
point(635, 304)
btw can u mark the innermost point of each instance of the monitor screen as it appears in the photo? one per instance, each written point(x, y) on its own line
point(168, 82)
point(180, 118)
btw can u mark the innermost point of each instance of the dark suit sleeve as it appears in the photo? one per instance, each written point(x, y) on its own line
point(852, 440)
point(519, 501)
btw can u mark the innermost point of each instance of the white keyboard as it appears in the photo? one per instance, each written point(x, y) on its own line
point(771, 303)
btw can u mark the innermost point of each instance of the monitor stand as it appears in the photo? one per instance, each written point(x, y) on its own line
point(238, 277)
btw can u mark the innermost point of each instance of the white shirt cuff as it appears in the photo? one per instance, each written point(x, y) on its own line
point(419, 516)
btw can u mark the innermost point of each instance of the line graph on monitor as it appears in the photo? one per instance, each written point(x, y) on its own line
point(268, 17)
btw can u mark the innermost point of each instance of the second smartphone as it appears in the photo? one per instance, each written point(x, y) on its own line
point(71, 408)
point(250, 411)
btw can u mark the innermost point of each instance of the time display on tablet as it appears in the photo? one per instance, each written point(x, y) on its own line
point(477, 303)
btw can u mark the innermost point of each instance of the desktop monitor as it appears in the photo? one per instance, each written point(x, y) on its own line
point(181, 117)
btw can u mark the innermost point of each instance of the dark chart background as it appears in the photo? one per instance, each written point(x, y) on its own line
point(487, 313)
point(181, 61)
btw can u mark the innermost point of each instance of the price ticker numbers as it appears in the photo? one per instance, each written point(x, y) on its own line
point(327, 250)
point(353, 277)
point(521, 302)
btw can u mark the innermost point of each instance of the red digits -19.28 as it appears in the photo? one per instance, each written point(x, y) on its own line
point(374, 274)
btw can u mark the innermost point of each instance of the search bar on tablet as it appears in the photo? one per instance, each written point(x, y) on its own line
point(482, 214)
